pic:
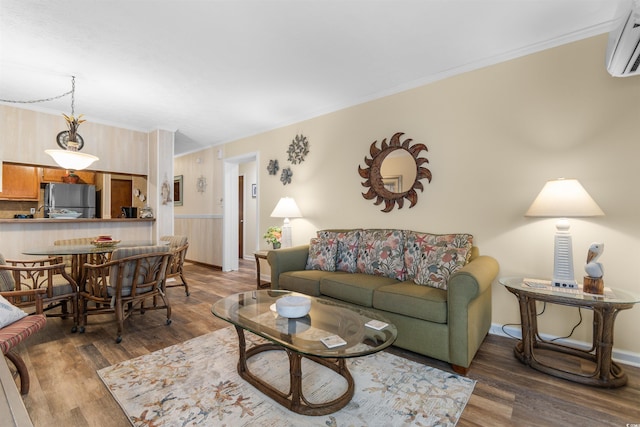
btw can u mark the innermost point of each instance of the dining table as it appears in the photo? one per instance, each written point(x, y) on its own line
point(80, 254)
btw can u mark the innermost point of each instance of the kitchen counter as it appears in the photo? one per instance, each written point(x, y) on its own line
point(21, 234)
point(72, 220)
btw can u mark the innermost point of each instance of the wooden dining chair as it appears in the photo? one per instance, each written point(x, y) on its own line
point(72, 261)
point(61, 290)
point(16, 332)
point(175, 272)
point(122, 285)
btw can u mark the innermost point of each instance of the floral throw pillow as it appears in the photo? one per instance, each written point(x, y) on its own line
point(347, 255)
point(419, 245)
point(322, 254)
point(381, 253)
point(439, 263)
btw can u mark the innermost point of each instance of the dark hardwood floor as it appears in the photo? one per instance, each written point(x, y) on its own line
point(66, 391)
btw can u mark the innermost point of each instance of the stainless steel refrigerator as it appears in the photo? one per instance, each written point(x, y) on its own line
point(71, 197)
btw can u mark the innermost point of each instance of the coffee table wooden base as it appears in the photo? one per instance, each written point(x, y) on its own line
point(294, 400)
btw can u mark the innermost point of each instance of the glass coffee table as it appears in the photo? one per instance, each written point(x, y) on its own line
point(254, 311)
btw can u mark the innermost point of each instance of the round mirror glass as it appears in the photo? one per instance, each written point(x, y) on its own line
point(398, 171)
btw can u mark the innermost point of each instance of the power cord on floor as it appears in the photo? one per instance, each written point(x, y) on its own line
point(544, 307)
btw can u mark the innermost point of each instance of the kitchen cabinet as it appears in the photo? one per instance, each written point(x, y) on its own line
point(19, 182)
point(56, 174)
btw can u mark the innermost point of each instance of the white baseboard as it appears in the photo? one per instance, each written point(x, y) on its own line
point(620, 356)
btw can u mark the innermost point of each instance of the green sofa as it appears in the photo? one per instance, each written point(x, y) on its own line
point(446, 324)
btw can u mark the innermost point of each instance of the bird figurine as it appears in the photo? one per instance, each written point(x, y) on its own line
point(593, 267)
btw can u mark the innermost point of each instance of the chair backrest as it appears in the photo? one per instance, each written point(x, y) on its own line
point(76, 241)
point(138, 269)
point(175, 241)
point(7, 283)
point(29, 276)
point(177, 261)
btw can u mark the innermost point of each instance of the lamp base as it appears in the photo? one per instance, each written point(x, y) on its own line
point(564, 283)
point(286, 238)
point(563, 257)
point(593, 285)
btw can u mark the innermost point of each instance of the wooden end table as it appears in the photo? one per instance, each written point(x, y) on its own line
point(605, 308)
point(260, 255)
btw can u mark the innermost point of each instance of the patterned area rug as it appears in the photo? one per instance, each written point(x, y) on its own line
point(196, 384)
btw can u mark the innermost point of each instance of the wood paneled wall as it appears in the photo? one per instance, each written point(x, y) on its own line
point(205, 237)
point(120, 150)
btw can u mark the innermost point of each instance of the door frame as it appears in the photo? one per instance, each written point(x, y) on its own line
point(231, 171)
point(241, 209)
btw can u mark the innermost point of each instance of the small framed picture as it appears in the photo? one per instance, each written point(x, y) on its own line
point(177, 190)
point(254, 190)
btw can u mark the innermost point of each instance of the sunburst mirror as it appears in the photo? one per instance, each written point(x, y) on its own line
point(394, 171)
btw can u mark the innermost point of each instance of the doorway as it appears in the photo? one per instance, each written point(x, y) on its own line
point(121, 195)
point(241, 216)
point(230, 226)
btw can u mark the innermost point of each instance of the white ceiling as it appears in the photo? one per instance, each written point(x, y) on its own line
point(216, 71)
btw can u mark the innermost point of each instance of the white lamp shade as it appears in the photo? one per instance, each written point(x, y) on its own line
point(564, 198)
point(286, 208)
point(72, 160)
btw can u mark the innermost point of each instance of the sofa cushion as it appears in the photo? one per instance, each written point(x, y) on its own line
point(381, 253)
point(418, 247)
point(303, 281)
point(354, 288)
point(412, 300)
point(347, 254)
point(435, 269)
point(322, 254)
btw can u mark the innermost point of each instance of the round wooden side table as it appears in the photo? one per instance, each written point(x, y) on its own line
point(605, 307)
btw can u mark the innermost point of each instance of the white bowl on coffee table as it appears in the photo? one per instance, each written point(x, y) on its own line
point(293, 306)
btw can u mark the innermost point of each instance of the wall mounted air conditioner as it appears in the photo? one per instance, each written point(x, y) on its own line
point(623, 50)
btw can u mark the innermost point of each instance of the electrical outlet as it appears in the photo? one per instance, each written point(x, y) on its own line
point(33, 210)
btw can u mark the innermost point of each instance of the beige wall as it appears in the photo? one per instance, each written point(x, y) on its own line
point(495, 136)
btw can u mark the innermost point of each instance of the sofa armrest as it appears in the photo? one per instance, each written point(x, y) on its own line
point(472, 280)
point(469, 306)
point(288, 259)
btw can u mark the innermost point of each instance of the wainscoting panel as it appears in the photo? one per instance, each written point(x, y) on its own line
point(205, 237)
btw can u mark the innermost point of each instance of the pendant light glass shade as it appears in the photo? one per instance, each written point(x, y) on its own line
point(72, 160)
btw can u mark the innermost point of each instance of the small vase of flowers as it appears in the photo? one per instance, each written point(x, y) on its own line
point(273, 236)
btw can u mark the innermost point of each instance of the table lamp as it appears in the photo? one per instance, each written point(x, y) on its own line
point(563, 198)
point(286, 208)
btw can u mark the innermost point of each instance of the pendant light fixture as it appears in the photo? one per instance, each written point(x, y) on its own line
point(70, 141)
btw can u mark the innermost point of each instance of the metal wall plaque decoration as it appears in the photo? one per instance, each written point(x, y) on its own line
point(298, 149)
point(381, 190)
point(286, 175)
point(273, 167)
